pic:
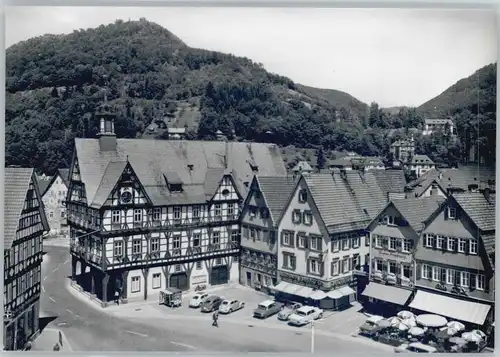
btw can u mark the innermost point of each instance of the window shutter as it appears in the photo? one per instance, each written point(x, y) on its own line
point(322, 268)
point(306, 242)
point(443, 274)
point(472, 281)
point(367, 239)
point(294, 262)
point(297, 240)
point(319, 241)
point(282, 237)
point(308, 266)
point(457, 278)
point(292, 240)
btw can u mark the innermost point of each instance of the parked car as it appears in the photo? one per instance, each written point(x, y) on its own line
point(285, 313)
point(197, 299)
point(267, 308)
point(370, 327)
point(305, 315)
point(211, 303)
point(415, 347)
point(228, 306)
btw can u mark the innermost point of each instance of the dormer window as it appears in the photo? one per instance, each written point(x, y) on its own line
point(303, 196)
point(175, 187)
point(174, 182)
point(452, 213)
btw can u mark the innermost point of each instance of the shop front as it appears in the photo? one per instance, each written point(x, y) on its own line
point(385, 299)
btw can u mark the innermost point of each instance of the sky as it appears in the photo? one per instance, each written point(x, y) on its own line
point(391, 56)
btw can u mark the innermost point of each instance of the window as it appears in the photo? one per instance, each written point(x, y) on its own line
point(480, 282)
point(452, 213)
point(118, 248)
point(136, 246)
point(230, 209)
point(335, 268)
point(176, 242)
point(235, 236)
point(303, 196)
point(63, 214)
point(407, 245)
point(425, 271)
point(51, 214)
point(287, 238)
point(177, 212)
point(196, 240)
point(335, 245)
point(355, 242)
point(155, 245)
point(253, 234)
point(450, 277)
point(345, 244)
point(136, 284)
point(296, 216)
point(218, 261)
point(379, 241)
point(406, 271)
point(177, 268)
point(199, 265)
point(345, 265)
point(137, 215)
point(429, 241)
point(272, 237)
point(440, 242)
point(156, 214)
point(253, 211)
point(215, 237)
point(313, 266)
point(196, 211)
point(156, 281)
point(451, 244)
point(390, 220)
point(314, 243)
point(288, 261)
point(461, 245)
point(308, 218)
point(435, 273)
point(393, 243)
point(217, 210)
point(472, 247)
point(302, 241)
point(464, 279)
point(393, 268)
point(355, 261)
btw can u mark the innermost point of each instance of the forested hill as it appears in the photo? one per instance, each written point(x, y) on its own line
point(55, 82)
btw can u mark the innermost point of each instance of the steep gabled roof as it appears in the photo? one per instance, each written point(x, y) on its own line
point(44, 183)
point(150, 159)
point(417, 210)
point(302, 166)
point(479, 209)
point(64, 173)
point(16, 184)
point(108, 181)
point(276, 191)
point(346, 201)
point(390, 181)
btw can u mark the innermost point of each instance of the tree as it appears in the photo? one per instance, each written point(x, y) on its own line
point(374, 115)
point(321, 160)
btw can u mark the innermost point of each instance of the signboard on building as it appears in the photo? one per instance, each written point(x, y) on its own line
point(391, 255)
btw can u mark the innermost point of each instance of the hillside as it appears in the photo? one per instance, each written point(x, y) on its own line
point(471, 104)
point(54, 84)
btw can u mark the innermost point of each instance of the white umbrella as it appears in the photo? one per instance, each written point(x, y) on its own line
point(431, 320)
point(406, 314)
point(416, 331)
point(471, 337)
point(479, 333)
point(394, 320)
point(456, 325)
point(403, 327)
point(409, 322)
point(458, 341)
point(451, 331)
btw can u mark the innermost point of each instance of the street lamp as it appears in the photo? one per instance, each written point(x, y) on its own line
point(313, 322)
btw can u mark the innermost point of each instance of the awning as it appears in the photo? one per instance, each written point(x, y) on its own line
point(293, 289)
point(334, 294)
point(456, 309)
point(318, 295)
point(387, 293)
point(304, 291)
point(346, 291)
point(280, 287)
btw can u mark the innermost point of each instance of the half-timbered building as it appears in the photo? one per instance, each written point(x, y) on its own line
point(24, 225)
point(151, 214)
point(261, 212)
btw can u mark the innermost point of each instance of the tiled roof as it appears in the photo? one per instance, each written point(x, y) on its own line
point(421, 159)
point(417, 210)
point(44, 183)
point(212, 181)
point(392, 181)
point(454, 178)
point(346, 201)
point(64, 173)
point(276, 191)
point(16, 181)
point(111, 175)
point(480, 210)
point(489, 242)
point(438, 121)
point(150, 159)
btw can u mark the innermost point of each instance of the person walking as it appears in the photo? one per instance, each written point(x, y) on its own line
point(117, 298)
point(215, 318)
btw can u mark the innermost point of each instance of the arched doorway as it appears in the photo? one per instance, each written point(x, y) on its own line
point(219, 275)
point(179, 281)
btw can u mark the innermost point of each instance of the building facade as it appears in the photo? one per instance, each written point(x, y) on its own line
point(54, 197)
point(261, 212)
point(403, 150)
point(442, 126)
point(394, 234)
point(24, 225)
point(455, 260)
point(419, 165)
point(145, 215)
point(322, 243)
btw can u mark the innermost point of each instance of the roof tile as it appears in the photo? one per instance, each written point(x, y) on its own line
point(417, 210)
point(479, 209)
point(276, 191)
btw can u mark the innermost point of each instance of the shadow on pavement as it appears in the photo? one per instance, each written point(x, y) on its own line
point(44, 321)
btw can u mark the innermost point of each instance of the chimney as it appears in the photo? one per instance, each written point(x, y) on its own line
point(486, 194)
point(190, 167)
point(440, 176)
point(106, 117)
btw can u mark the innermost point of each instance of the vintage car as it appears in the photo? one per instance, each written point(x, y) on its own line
point(415, 347)
point(370, 327)
point(267, 308)
point(197, 299)
point(288, 310)
point(228, 306)
point(305, 315)
point(211, 303)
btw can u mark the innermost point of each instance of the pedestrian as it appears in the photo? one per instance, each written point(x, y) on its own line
point(215, 318)
point(117, 298)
